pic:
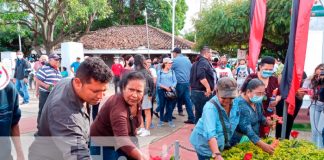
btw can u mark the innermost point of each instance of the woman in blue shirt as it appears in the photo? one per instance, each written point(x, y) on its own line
point(166, 80)
point(251, 114)
point(218, 122)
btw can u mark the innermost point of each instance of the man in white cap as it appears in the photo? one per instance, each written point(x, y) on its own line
point(9, 117)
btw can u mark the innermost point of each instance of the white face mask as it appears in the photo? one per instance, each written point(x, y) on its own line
point(20, 56)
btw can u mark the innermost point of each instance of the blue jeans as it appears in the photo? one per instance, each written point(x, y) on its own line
point(199, 99)
point(316, 114)
point(201, 157)
point(22, 89)
point(183, 93)
point(165, 104)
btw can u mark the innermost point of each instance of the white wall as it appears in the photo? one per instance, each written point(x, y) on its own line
point(8, 61)
point(314, 52)
point(69, 52)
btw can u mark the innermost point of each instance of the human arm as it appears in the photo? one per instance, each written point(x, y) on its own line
point(265, 147)
point(211, 127)
point(68, 132)
point(245, 125)
point(15, 132)
point(119, 123)
point(174, 79)
point(40, 78)
point(205, 83)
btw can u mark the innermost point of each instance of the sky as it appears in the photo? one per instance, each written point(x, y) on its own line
point(193, 9)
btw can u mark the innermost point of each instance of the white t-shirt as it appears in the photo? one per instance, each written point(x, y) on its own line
point(242, 73)
point(153, 72)
point(226, 72)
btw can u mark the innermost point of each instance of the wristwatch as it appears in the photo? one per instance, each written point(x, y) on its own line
point(214, 155)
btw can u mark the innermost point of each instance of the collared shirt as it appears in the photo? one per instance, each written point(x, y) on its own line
point(48, 75)
point(200, 70)
point(166, 79)
point(64, 124)
point(182, 66)
point(210, 126)
point(250, 121)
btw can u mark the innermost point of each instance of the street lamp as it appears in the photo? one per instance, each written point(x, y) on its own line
point(173, 22)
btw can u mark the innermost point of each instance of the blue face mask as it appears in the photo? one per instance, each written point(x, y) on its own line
point(267, 73)
point(256, 99)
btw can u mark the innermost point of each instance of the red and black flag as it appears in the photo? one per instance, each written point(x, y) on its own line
point(295, 59)
point(257, 23)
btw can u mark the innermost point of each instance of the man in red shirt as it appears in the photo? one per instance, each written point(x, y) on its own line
point(116, 69)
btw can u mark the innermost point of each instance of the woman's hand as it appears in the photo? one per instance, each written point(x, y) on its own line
point(266, 147)
point(301, 93)
point(219, 157)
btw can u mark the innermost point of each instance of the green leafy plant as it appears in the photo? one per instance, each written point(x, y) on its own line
point(284, 151)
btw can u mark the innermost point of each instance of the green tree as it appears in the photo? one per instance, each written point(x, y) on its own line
point(225, 27)
point(54, 21)
point(131, 12)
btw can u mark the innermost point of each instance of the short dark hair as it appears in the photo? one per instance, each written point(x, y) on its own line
point(267, 60)
point(94, 68)
point(251, 84)
point(133, 75)
point(78, 58)
point(204, 50)
point(139, 62)
point(64, 68)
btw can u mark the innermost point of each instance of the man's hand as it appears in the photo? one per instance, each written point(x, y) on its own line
point(301, 93)
point(14, 80)
point(208, 92)
point(25, 80)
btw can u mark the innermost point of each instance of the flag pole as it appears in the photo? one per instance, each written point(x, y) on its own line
point(284, 124)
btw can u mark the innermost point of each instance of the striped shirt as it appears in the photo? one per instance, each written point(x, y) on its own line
point(48, 75)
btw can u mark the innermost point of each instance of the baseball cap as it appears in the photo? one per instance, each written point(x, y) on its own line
point(177, 50)
point(4, 77)
point(54, 56)
point(167, 60)
point(227, 87)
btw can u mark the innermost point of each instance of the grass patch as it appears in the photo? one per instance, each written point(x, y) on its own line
point(302, 127)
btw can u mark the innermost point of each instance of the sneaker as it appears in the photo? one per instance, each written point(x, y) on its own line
point(140, 131)
point(160, 124)
point(171, 124)
point(174, 117)
point(145, 133)
point(151, 126)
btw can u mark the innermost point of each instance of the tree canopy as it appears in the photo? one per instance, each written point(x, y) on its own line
point(225, 27)
point(131, 12)
point(52, 21)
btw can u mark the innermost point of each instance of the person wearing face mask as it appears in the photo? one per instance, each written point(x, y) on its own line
point(222, 70)
point(251, 114)
point(213, 132)
point(265, 74)
point(242, 72)
point(22, 71)
point(46, 78)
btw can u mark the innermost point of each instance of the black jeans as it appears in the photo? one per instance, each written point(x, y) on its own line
point(116, 83)
point(42, 99)
point(290, 118)
point(199, 99)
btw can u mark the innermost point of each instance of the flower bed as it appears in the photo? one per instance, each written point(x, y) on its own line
point(286, 150)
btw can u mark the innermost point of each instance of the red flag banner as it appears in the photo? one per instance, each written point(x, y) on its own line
point(258, 17)
point(304, 12)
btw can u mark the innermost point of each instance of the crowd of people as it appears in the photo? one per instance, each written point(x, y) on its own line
point(227, 104)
